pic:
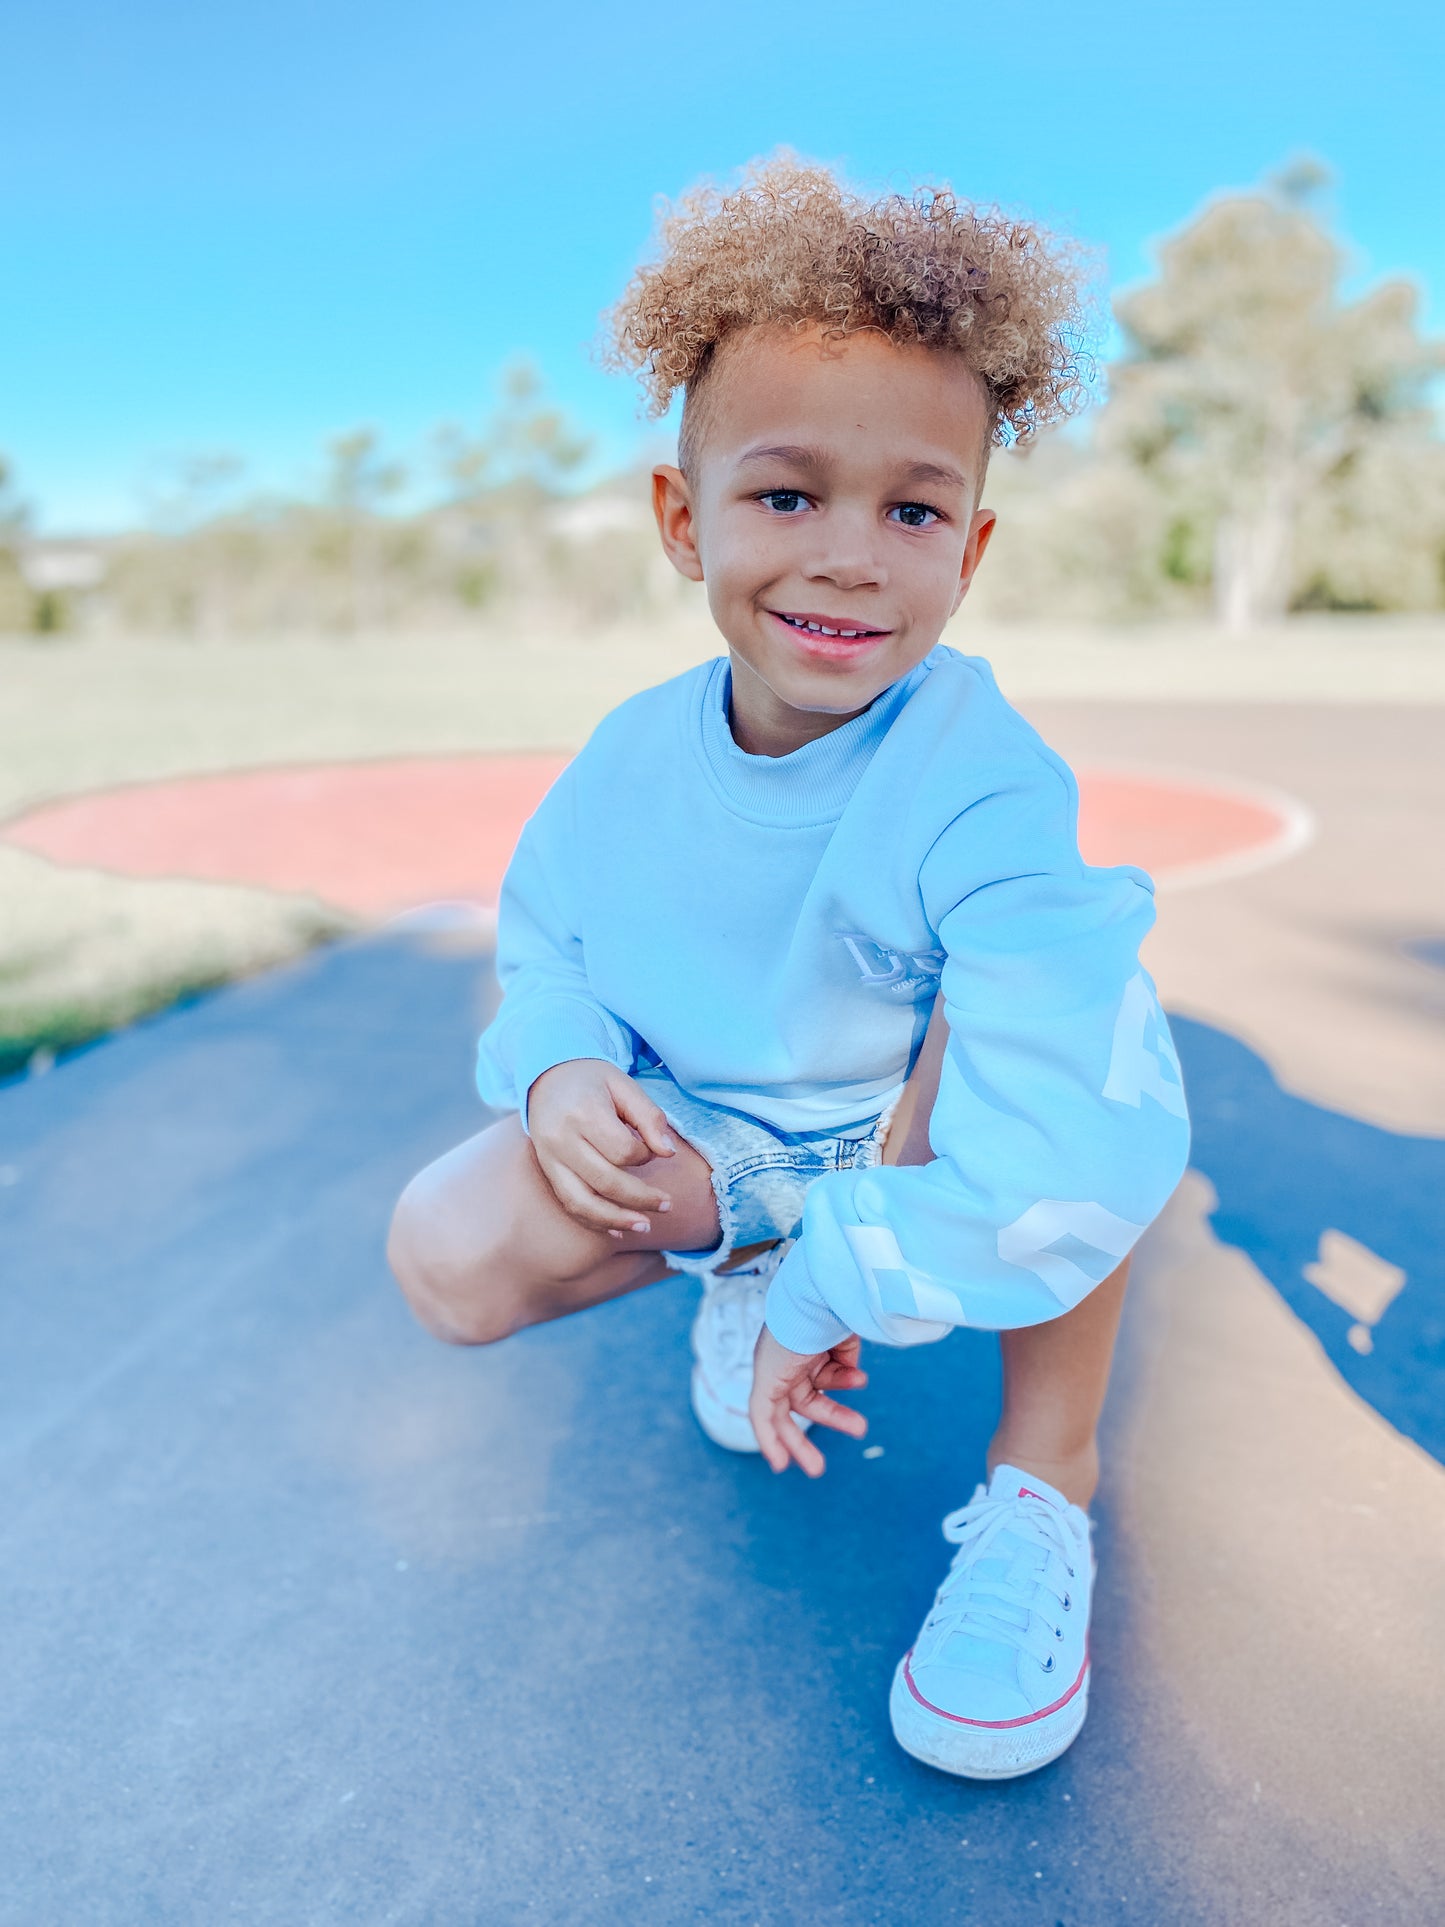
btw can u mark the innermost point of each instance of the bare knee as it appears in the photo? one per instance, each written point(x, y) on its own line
point(481, 1247)
point(455, 1284)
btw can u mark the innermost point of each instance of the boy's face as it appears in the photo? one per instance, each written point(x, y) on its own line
point(834, 484)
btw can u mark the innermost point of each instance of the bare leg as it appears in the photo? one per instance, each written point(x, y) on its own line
point(1054, 1375)
point(481, 1247)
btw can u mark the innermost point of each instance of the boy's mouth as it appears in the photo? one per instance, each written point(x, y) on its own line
point(833, 627)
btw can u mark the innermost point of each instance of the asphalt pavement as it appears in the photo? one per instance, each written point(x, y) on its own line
point(309, 1618)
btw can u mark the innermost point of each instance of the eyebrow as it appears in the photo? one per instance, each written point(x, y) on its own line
point(814, 458)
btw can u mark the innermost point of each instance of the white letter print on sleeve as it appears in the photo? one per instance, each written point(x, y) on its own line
point(1143, 1061)
point(1071, 1244)
point(909, 1308)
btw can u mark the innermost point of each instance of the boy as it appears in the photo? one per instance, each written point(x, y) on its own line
point(807, 989)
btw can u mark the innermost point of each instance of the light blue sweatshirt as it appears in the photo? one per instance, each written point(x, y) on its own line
point(776, 929)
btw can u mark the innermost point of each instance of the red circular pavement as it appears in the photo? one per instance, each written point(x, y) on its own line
point(380, 838)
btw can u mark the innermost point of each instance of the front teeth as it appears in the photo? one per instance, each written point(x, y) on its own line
point(819, 629)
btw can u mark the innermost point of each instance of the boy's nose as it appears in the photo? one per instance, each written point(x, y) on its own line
point(848, 557)
point(848, 573)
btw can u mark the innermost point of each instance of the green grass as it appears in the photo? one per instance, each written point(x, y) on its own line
point(34, 1037)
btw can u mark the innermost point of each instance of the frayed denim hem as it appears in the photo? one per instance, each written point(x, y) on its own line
point(879, 1137)
point(699, 1263)
point(760, 1176)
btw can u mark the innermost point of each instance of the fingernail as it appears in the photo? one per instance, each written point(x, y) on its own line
point(665, 1204)
point(667, 1143)
point(613, 1232)
point(641, 1224)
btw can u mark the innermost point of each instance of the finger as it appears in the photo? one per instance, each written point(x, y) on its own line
point(617, 1141)
point(603, 1177)
point(844, 1382)
point(841, 1378)
point(579, 1201)
point(638, 1109)
point(802, 1449)
point(765, 1431)
point(827, 1411)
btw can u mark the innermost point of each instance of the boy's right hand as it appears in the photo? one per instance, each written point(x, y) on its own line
point(588, 1121)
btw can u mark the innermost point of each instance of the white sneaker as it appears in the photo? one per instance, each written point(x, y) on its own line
point(997, 1683)
point(724, 1336)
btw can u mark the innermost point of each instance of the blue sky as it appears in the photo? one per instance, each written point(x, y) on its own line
point(247, 227)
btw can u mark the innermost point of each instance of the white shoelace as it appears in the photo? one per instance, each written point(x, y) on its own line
point(983, 1593)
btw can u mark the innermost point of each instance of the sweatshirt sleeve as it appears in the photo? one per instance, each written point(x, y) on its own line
point(1060, 1126)
point(548, 1014)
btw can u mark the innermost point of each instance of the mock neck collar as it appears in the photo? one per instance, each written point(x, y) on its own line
point(811, 784)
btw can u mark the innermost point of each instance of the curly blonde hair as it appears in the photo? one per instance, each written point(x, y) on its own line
point(793, 245)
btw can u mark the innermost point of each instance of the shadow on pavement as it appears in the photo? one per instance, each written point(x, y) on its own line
point(1346, 1220)
point(309, 1618)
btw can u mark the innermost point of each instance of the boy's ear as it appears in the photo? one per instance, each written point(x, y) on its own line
point(672, 505)
point(980, 529)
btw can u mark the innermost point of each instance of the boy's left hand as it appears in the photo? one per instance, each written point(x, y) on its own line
point(786, 1382)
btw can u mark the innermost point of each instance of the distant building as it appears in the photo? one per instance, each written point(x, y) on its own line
point(589, 516)
point(54, 567)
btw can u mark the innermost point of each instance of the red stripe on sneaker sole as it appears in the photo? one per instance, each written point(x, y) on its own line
point(994, 1725)
point(733, 1411)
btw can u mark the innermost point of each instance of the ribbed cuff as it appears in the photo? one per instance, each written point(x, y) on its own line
point(797, 1314)
point(567, 1029)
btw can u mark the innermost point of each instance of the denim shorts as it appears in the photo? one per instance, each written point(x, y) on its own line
point(760, 1174)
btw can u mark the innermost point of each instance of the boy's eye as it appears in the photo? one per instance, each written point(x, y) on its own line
point(788, 501)
point(914, 515)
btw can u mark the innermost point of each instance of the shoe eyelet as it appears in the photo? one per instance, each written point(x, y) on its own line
point(1058, 1632)
point(1048, 1665)
point(1071, 1572)
point(1068, 1602)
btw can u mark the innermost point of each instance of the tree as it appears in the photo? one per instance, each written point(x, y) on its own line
point(15, 597)
point(499, 484)
point(191, 502)
point(359, 485)
point(185, 491)
point(521, 443)
point(14, 515)
point(1253, 395)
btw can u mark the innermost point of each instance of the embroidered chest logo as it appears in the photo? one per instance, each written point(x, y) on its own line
point(898, 972)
